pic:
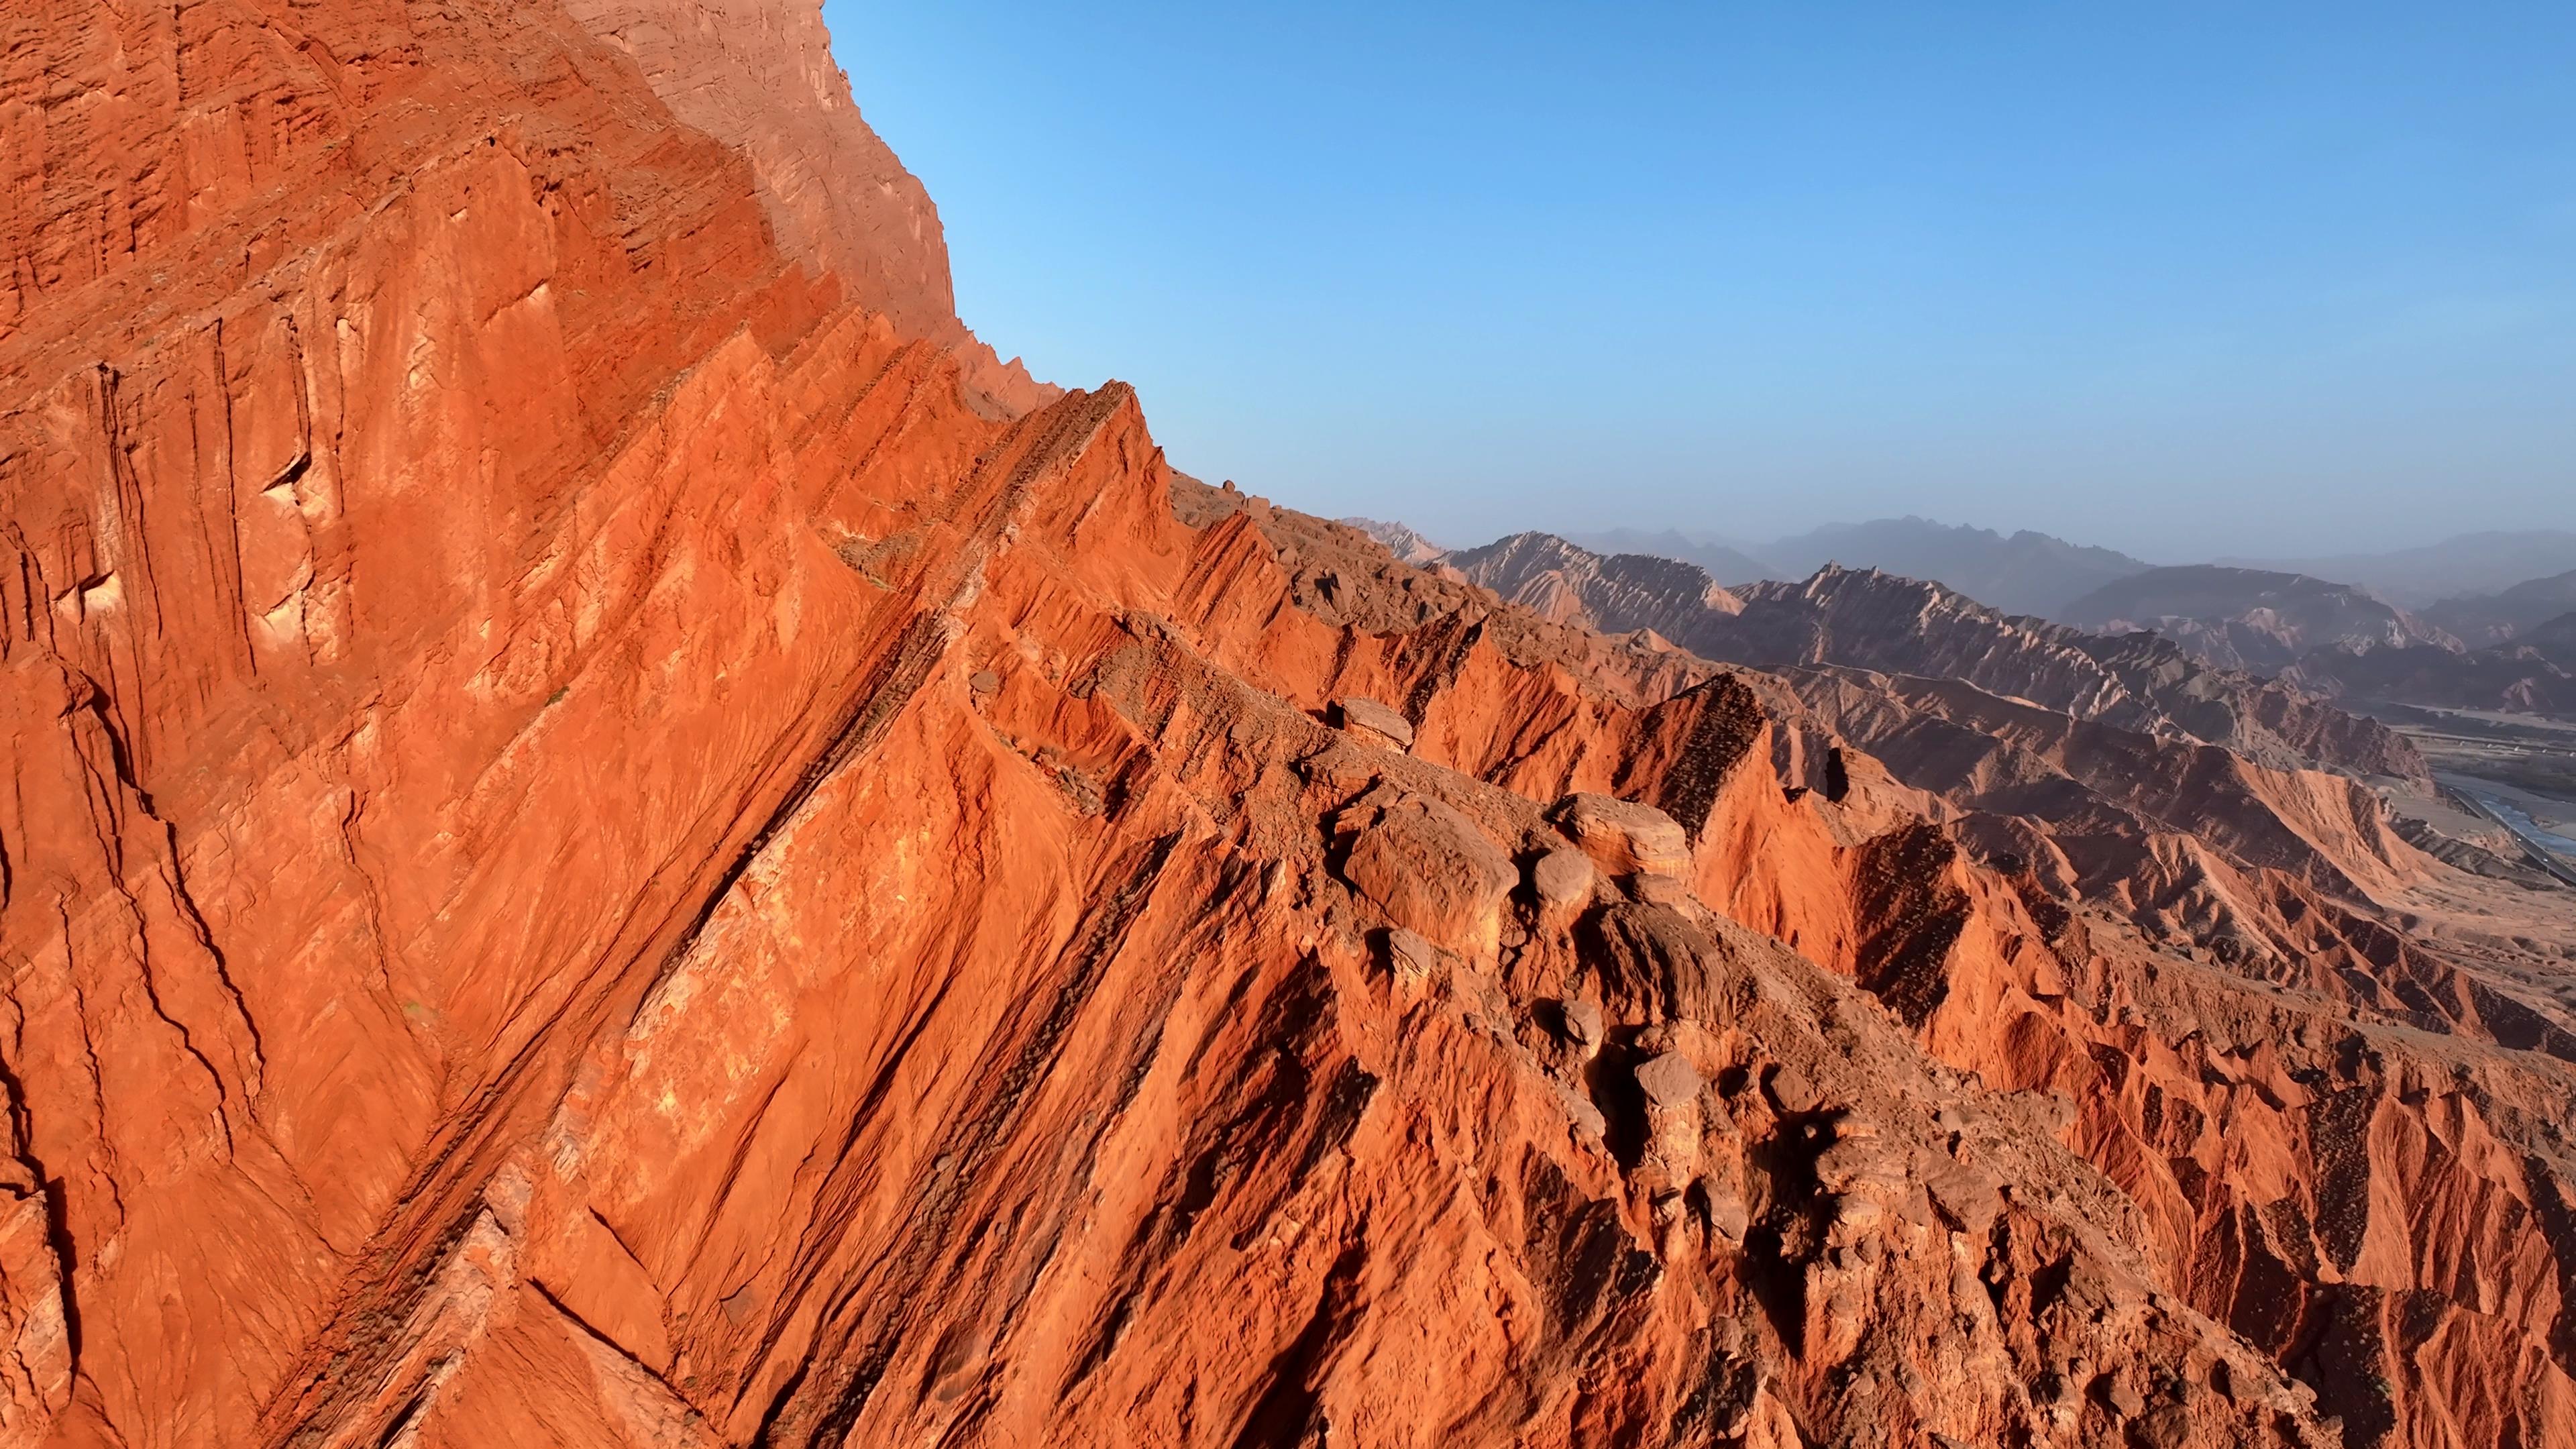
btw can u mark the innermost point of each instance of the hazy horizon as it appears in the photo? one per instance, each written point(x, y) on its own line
point(2189, 284)
point(1757, 544)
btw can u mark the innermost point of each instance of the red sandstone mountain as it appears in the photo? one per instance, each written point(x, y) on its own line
point(758, 75)
point(607, 844)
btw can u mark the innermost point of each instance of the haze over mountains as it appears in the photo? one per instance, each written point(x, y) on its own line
point(2469, 564)
point(2249, 618)
point(2494, 617)
point(2023, 573)
point(2033, 573)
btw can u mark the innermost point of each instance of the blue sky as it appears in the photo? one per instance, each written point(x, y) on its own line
point(2185, 279)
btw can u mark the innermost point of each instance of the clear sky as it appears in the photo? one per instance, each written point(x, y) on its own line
point(2181, 278)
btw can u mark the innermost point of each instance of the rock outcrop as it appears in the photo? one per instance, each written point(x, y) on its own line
point(600, 849)
point(1401, 541)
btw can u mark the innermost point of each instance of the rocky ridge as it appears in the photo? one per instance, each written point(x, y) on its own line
point(2534, 673)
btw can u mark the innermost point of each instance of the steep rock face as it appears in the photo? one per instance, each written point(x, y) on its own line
point(760, 77)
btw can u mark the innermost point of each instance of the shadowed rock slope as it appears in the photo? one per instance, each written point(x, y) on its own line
point(600, 850)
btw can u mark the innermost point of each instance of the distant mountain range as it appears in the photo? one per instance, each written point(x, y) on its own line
point(1876, 621)
point(2021, 573)
point(2479, 587)
point(1726, 562)
point(2466, 565)
point(2250, 618)
point(2494, 618)
point(2481, 620)
point(2345, 642)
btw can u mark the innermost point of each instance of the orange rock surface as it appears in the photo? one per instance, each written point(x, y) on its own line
point(614, 838)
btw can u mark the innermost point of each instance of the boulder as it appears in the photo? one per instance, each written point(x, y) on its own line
point(1563, 881)
point(1669, 1081)
point(1670, 1084)
point(1580, 1022)
point(1410, 956)
point(1429, 869)
point(1625, 837)
point(1660, 890)
point(1726, 1213)
point(1373, 723)
point(1968, 1196)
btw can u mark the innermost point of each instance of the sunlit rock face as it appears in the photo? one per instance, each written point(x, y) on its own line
point(613, 837)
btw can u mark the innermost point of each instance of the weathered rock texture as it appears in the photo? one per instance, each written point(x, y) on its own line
point(599, 850)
